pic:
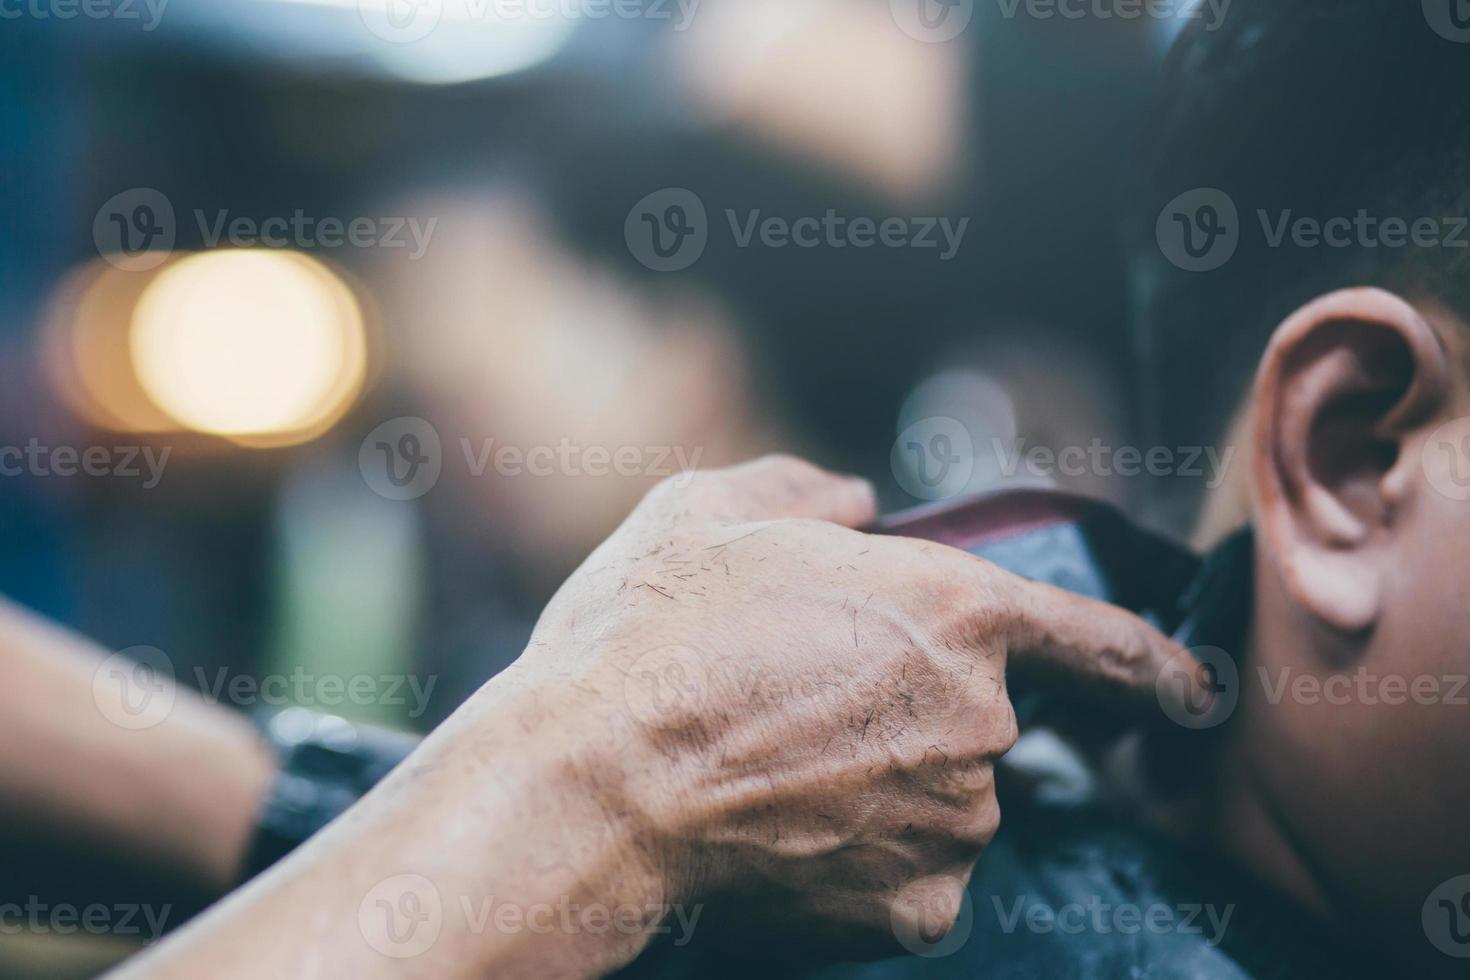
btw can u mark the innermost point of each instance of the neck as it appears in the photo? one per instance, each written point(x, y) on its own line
point(1230, 808)
point(1229, 814)
point(1240, 819)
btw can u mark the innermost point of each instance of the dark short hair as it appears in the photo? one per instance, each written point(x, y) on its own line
point(1323, 108)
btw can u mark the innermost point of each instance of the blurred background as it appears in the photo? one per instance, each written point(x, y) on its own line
point(261, 259)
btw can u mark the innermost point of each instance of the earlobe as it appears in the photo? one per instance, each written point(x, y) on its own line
point(1344, 384)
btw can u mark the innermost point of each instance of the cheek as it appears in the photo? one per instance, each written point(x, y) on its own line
point(1402, 708)
point(1425, 638)
point(1425, 619)
point(1408, 694)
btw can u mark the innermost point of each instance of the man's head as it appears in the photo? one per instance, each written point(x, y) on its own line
point(1301, 114)
point(1339, 130)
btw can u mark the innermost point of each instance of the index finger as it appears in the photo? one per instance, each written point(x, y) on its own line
point(1062, 641)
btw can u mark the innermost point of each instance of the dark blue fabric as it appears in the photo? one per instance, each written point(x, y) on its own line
point(1071, 872)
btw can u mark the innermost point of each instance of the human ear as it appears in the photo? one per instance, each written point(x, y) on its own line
point(1346, 384)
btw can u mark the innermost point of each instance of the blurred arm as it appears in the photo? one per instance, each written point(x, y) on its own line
point(170, 795)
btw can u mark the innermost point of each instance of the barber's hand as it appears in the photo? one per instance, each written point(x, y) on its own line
point(808, 717)
point(737, 709)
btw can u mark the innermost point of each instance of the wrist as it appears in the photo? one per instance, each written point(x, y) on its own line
point(576, 798)
point(587, 759)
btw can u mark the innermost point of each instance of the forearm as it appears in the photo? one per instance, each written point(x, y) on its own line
point(541, 870)
point(177, 795)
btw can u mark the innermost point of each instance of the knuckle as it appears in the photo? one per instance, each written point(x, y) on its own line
point(780, 474)
point(1006, 729)
point(980, 704)
point(965, 608)
point(818, 534)
point(928, 908)
point(955, 596)
point(980, 824)
point(754, 486)
point(765, 470)
point(782, 464)
point(692, 492)
point(674, 487)
point(1126, 657)
point(777, 459)
point(962, 779)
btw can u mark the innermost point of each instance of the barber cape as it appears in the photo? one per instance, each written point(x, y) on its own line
point(1067, 891)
